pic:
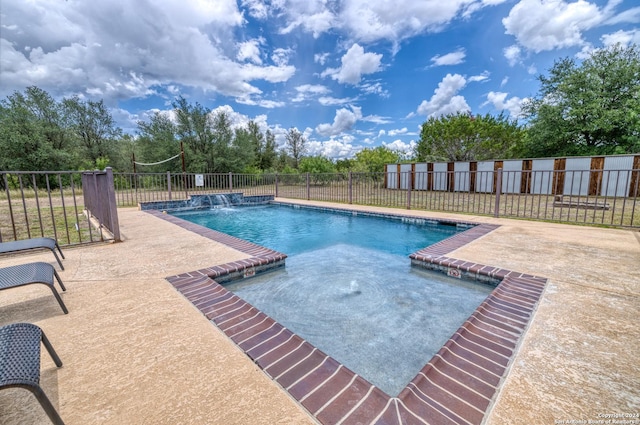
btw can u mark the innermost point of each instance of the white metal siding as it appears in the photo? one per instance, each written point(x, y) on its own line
point(542, 176)
point(576, 177)
point(511, 176)
point(440, 176)
point(405, 176)
point(484, 177)
point(617, 175)
point(392, 176)
point(421, 176)
point(462, 177)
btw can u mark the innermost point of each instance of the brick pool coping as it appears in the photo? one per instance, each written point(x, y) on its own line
point(458, 385)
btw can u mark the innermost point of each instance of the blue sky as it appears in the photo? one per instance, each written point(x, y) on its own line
point(348, 74)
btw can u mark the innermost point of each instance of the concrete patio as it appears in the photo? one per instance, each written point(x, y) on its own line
point(136, 352)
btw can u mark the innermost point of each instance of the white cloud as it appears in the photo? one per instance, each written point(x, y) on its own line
point(406, 149)
point(311, 91)
point(310, 15)
point(512, 53)
point(329, 100)
point(264, 103)
point(336, 148)
point(480, 77)
point(250, 50)
point(541, 25)
point(453, 58)
point(374, 88)
point(312, 88)
point(320, 58)
point(71, 48)
point(257, 8)
point(499, 101)
point(445, 99)
point(399, 131)
point(627, 16)
point(236, 119)
point(624, 38)
point(355, 64)
point(281, 56)
point(373, 20)
point(344, 120)
point(504, 81)
point(377, 119)
point(308, 91)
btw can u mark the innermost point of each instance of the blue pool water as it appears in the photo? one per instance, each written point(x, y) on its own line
point(349, 289)
point(296, 230)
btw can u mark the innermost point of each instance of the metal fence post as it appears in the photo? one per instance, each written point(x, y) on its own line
point(114, 225)
point(350, 187)
point(169, 183)
point(276, 185)
point(230, 182)
point(409, 184)
point(13, 223)
point(496, 211)
point(308, 188)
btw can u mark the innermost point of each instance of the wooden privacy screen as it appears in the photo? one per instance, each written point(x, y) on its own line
point(595, 179)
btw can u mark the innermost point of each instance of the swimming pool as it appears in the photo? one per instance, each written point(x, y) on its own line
point(458, 385)
point(349, 288)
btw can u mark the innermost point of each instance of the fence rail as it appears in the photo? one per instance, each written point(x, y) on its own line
point(44, 204)
point(54, 204)
point(560, 196)
point(100, 201)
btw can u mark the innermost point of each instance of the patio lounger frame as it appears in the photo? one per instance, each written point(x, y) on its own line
point(30, 244)
point(20, 362)
point(26, 274)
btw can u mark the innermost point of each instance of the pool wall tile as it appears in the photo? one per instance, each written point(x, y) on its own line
point(205, 202)
point(457, 386)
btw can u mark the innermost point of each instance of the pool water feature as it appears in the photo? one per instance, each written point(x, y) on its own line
point(349, 289)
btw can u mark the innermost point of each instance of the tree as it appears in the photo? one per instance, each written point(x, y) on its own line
point(344, 165)
point(223, 159)
point(319, 167)
point(296, 146)
point(156, 142)
point(592, 108)
point(464, 137)
point(33, 135)
point(193, 129)
point(257, 142)
point(243, 151)
point(373, 160)
point(317, 164)
point(269, 154)
point(93, 126)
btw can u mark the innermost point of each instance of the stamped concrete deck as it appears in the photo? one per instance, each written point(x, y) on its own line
point(135, 351)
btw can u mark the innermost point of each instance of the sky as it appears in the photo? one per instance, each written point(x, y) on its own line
point(348, 74)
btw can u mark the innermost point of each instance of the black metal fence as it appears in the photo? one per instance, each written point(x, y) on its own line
point(134, 188)
point(50, 204)
point(74, 209)
point(567, 196)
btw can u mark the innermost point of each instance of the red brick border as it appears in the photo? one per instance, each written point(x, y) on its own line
point(458, 384)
